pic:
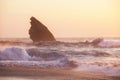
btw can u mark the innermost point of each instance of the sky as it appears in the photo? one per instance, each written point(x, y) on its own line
point(64, 18)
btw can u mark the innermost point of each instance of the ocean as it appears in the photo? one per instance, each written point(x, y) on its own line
point(77, 54)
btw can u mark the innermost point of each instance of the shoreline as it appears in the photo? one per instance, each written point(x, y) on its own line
point(45, 74)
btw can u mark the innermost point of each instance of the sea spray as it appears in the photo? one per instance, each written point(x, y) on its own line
point(102, 57)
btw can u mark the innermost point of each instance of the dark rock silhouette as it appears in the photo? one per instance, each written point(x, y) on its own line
point(39, 32)
point(96, 41)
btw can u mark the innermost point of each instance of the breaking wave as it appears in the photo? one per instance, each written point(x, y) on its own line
point(99, 42)
point(109, 44)
point(33, 58)
point(14, 54)
point(96, 55)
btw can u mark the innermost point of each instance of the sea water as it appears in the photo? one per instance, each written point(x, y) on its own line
point(78, 54)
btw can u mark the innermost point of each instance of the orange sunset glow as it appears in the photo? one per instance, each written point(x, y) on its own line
point(64, 18)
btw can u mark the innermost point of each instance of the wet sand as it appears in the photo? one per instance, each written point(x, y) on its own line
point(49, 74)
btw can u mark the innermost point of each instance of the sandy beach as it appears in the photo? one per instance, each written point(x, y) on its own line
point(49, 74)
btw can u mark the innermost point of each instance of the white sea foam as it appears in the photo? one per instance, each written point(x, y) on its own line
point(102, 57)
point(33, 58)
point(111, 71)
point(14, 53)
point(108, 43)
point(106, 65)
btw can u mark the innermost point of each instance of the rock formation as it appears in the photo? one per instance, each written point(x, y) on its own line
point(39, 32)
point(95, 42)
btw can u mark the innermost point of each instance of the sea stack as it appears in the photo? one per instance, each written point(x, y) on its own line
point(39, 32)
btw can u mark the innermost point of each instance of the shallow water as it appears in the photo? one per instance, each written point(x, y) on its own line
point(77, 55)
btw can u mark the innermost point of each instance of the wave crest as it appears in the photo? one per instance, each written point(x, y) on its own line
point(34, 58)
point(14, 54)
